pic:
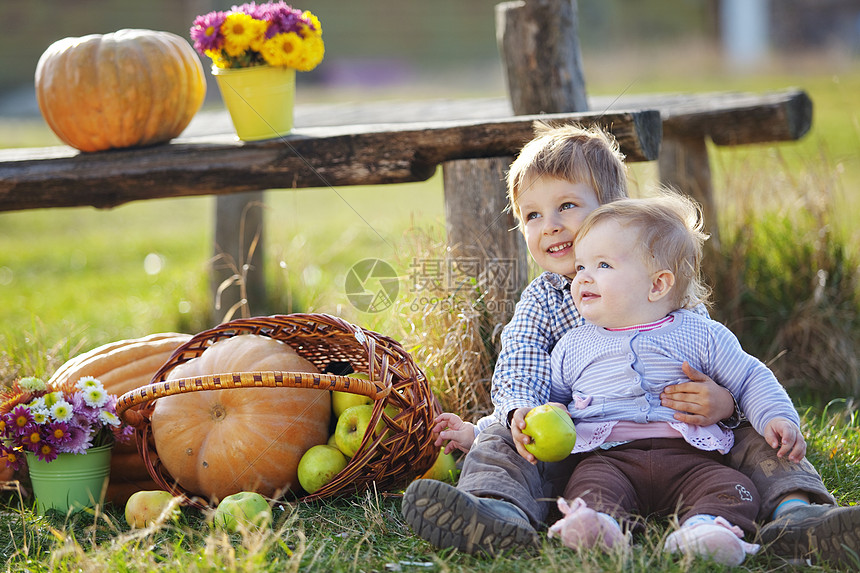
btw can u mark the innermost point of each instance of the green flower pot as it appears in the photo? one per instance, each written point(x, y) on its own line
point(260, 99)
point(72, 481)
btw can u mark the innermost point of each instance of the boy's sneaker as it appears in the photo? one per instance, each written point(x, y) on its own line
point(447, 517)
point(826, 533)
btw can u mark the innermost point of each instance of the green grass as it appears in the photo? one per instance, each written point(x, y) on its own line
point(364, 532)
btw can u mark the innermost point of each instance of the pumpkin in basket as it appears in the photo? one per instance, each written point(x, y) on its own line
point(122, 366)
point(218, 442)
point(125, 89)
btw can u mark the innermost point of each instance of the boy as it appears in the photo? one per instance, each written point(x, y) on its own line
point(637, 279)
point(559, 177)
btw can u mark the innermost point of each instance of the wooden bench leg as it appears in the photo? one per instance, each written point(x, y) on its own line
point(481, 230)
point(684, 165)
point(236, 276)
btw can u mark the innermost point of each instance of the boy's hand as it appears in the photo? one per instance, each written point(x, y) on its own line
point(452, 428)
point(518, 422)
point(785, 435)
point(700, 402)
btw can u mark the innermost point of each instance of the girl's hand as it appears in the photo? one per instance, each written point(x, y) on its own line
point(785, 435)
point(451, 428)
point(700, 402)
point(518, 422)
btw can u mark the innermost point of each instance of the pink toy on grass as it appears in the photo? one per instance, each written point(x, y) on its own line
point(583, 528)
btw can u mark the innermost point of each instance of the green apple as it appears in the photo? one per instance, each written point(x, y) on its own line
point(552, 432)
point(243, 510)
point(340, 401)
point(391, 411)
point(351, 427)
point(319, 465)
point(443, 469)
point(332, 441)
point(144, 508)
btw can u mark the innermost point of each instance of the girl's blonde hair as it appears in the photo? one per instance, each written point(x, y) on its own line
point(667, 231)
point(571, 153)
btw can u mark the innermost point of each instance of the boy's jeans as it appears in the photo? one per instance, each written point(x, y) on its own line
point(493, 468)
point(773, 477)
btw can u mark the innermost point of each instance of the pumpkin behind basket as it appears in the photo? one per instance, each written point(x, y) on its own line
point(386, 460)
point(122, 366)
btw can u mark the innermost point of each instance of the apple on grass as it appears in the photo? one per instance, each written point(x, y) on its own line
point(443, 469)
point(552, 432)
point(147, 507)
point(243, 510)
point(319, 465)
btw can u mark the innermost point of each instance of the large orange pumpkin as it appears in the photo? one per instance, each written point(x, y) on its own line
point(219, 442)
point(125, 89)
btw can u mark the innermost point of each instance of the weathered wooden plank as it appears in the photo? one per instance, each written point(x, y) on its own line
point(728, 118)
point(310, 157)
point(788, 115)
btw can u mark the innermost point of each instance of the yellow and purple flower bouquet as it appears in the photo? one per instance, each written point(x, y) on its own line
point(254, 34)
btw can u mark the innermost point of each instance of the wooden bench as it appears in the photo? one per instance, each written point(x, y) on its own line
point(476, 143)
point(309, 157)
point(314, 156)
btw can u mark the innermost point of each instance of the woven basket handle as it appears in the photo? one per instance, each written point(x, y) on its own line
point(230, 380)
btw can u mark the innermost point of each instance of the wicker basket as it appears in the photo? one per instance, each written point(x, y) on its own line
point(387, 459)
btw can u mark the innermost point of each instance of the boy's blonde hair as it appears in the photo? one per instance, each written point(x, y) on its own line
point(667, 231)
point(571, 153)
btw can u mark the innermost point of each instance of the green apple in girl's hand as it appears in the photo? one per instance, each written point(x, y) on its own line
point(552, 432)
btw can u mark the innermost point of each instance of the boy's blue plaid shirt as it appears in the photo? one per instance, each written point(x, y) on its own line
point(522, 374)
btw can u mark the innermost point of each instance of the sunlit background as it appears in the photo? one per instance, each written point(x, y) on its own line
point(448, 47)
point(83, 276)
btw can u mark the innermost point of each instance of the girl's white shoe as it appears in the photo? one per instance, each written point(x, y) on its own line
point(710, 537)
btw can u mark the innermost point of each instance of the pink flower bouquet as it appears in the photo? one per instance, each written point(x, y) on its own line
point(50, 421)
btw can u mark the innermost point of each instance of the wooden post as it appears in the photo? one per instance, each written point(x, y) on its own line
point(684, 165)
point(539, 47)
point(238, 287)
point(480, 228)
point(539, 44)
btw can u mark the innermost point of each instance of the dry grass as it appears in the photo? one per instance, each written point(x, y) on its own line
point(787, 281)
point(452, 333)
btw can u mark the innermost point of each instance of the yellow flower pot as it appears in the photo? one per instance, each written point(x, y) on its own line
point(260, 100)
